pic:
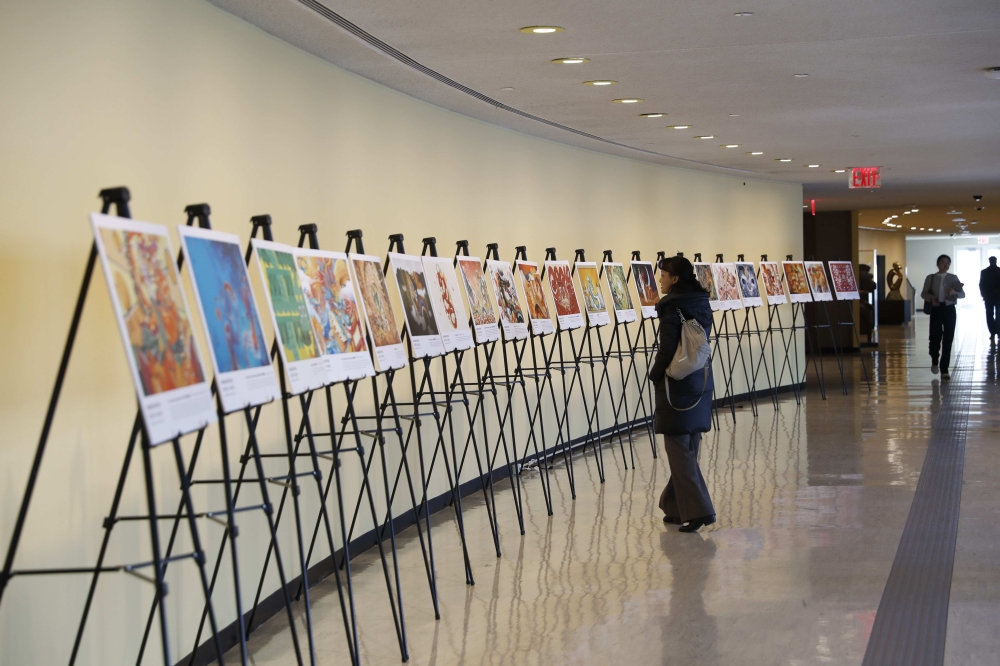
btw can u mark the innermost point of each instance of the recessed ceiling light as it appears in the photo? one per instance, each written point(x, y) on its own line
point(906, 212)
point(922, 229)
point(783, 159)
point(756, 152)
point(938, 230)
point(742, 13)
point(812, 166)
point(954, 212)
point(506, 89)
point(627, 100)
point(840, 170)
point(678, 127)
point(913, 228)
point(706, 136)
point(571, 61)
point(893, 217)
point(541, 29)
point(959, 219)
point(730, 145)
point(801, 76)
point(734, 115)
point(652, 115)
point(604, 82)
point(914, 210)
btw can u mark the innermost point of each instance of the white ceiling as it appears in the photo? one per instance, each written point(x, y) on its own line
point(893, 83)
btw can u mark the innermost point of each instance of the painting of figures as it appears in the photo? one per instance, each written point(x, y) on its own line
point(446, 299)
point(727, 284)
point(621, 298)
point(230, 313)
point(749, 289)
point(770, 273)
point(288, 304)
point(842, 276)
point(477, 291)
point(412, 285)
point(532, 281)
point(645, 284)
point(145, 282)
point(155, 328)
point(502, 278)
point(590, 285)
point(818, 282)
point(329, 293)
point(563, 292)
point(375, 295)
point(795, 278)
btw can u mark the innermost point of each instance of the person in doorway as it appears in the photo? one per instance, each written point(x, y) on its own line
point(866, 287)
point(942, 289)
point(989, 287)
point(685, 412)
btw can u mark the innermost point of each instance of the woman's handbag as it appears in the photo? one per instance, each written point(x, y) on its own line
point(693, 354)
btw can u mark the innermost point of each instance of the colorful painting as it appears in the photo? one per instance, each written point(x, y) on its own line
point(817, 281)
point(532, 281)
point(727, 284)
point(145, 282)
point(770, 273)
point(333, 310)
point(645, 284)
point(231, 317)
point(563, 292)
point(618, 286)
point(705, 278)
point(590, 286)
point(413, 292)
point(502, 278)
point(477, 291)
point(795, 278)
point(289, 305)
point(842, 277)
point(375, 295)
point(749, 289)
point(442, 283)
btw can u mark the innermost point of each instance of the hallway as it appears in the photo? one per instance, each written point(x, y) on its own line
point(812, 500)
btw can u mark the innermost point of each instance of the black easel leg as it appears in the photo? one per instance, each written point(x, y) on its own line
point(231, 530)
point(154, 539)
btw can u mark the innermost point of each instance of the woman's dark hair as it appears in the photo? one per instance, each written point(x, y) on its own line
point(943, 256)
point(682, 269)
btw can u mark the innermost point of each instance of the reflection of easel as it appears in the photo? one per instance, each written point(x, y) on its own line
point(119, 197)
point(423, 395)
point(487, 383)
point(200, 213)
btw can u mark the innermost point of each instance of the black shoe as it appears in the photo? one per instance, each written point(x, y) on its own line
point(945, 375)
point(696, 524)
point(671, 520)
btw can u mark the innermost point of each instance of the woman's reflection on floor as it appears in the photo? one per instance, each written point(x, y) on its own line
point(689, 633)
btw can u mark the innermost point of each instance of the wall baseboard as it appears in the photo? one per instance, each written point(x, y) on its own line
point(274, 602)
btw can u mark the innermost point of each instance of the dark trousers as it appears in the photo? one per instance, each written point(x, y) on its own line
point(992, 308)
point(942, 333)
point(686, 495)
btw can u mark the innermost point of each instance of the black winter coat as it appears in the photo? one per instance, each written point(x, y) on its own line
point(687, 391)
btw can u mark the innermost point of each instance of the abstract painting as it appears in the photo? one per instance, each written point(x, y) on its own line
point(618, 286)
point(704, 274)
point(288, 304)
point(477, 291)
point(446, 299)
point(416, 300)
point(795, 278)
point(371, 285)
point(818, 282)
point(563, 292)
point(770, 273)
point(532, 281)
point(749, 289)
point(842, 276)
point(330, 301)
point(590, 285)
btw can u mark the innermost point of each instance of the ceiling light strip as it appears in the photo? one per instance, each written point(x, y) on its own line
point(378, 44)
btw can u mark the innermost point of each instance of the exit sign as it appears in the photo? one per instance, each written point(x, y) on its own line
point(983, 240)
point(865, 177)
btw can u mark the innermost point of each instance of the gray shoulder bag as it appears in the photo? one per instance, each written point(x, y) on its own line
point(693, 354)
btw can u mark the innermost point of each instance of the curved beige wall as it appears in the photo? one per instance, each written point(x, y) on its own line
point(184, 103)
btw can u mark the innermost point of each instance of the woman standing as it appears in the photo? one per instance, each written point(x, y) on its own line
point(685, 412)
point(942, 289)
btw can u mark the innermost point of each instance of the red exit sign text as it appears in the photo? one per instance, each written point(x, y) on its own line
point(865, 177)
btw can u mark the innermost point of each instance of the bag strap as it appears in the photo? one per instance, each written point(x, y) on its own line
point(666, 386)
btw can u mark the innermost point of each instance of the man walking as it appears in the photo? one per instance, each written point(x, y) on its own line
point(942, 289)
point(989, 287)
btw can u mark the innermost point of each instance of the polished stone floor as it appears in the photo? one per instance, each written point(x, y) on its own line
point(811, 502)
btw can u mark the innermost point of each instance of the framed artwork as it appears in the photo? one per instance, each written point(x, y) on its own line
point(446, 299)
point(425, 337)
point(727, 284)
point(333, 310)
point(297, 343)
point(645, 287)
point(593, 296)
point(770, 275)
point(706, 279)
point(842, 277)
point(817, 281)
point(477, 291)
point(538, 309)
point(244, 375)
point(564, 295)
point(621, 298)
point(382, 327)
point(512, 316)
point(152, 315)
point(749, 288)
point(798, 285)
